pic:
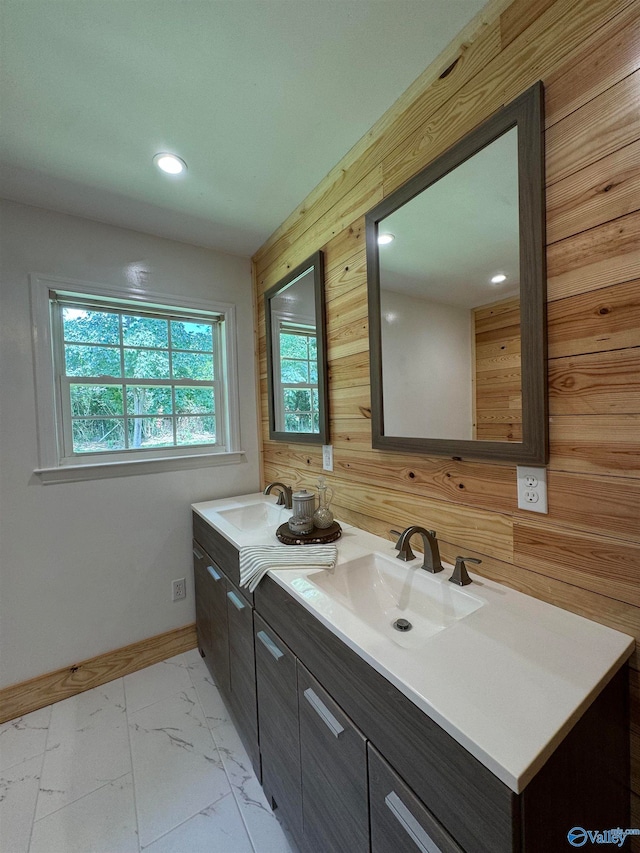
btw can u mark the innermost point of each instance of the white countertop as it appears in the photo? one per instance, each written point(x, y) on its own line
point(507, 682)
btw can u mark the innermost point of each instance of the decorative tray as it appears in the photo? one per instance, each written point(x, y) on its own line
point(315, 537)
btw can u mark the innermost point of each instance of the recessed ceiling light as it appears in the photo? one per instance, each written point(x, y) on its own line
point(498, 279)
point(170, 164)
point(383, 239)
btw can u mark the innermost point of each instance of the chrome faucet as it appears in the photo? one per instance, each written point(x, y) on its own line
point(285, 495)
point(431, 551)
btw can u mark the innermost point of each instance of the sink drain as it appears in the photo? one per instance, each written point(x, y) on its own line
point(402, 625)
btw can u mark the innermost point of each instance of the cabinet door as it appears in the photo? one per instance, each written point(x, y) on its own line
point(333, 755)
point(399, 821)
point(201, 586)
point(278, 724)
point(242, 665)
point(211, 616)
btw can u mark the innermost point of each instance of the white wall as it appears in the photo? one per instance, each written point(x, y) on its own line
point(87, 567)
point(427, 368)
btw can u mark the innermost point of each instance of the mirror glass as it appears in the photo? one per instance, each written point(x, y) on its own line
point(294, 313)
point(436, 294)
point(456, 298)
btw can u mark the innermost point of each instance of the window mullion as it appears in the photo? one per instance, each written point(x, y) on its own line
point(63, 408)
point(220, 391)
point(125, 422)
point(174, 414)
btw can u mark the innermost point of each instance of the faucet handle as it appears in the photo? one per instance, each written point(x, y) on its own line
point(397, 534)
point(460, 575)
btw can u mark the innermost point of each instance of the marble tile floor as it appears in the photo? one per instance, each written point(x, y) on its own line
point(147, 762)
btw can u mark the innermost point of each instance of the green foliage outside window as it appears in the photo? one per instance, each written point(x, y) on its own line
point(108, 351)
point(299, 379)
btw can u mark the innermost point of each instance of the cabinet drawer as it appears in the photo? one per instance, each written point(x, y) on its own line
point(277, 686)
point(223, 552)
point(333, 754)
point(399, 821)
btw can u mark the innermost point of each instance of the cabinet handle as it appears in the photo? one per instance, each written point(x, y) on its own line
point(198, 554)
point(269, 645)
point(323, 712)
point(407, 821)
point(214, 574)
point(236, 601)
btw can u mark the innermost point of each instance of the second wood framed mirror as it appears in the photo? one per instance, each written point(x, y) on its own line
point(457, 320)
point(296, 355)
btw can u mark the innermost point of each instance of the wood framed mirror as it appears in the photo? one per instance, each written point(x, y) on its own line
point(457, 298)
point(296, 355)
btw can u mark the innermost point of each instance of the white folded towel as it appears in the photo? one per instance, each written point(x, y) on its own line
point(256, 562)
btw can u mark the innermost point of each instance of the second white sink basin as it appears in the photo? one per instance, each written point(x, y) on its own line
point(253, 515)
point(379, 591)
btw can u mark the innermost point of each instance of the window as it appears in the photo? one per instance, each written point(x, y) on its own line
point(298, 373)
point(131, 381)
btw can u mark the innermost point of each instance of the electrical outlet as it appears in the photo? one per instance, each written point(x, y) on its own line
point(179, 589)
point(532, 489)
point(327, 457)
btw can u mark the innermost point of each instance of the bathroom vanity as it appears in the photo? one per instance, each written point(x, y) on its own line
point(498, 724)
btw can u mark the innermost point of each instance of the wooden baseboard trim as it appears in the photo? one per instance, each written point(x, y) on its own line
point(27, 696)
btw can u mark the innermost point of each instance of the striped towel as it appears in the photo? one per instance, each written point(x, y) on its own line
point(256, 562)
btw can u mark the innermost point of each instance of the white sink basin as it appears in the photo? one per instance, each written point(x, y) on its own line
point(377, 591)
point(252, 516)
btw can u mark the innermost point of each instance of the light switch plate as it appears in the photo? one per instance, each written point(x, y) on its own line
point(532, 489)
point(327, 457)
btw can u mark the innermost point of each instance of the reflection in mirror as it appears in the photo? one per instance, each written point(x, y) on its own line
point(437, 292)
point(295, 357)
point(455, 265)
point(294, 312)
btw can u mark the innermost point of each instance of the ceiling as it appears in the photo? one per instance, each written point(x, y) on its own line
point(261, 98)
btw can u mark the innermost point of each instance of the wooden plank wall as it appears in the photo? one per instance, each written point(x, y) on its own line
point(585, 554)
point(497, 380)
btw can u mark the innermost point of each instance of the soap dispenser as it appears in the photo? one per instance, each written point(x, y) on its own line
point(323, 517)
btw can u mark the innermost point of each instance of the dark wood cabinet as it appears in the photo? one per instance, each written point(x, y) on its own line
point(224, 625)
point(211, 617)
point(586, 775)
point(333, 755)
point(436, 767)
point(399, 821)
point(201, 586)
point(242, 671)
point(223, 552)
point(277, 686)
point(351, 764)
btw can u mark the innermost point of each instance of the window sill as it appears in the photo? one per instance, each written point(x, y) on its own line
point(104, 470)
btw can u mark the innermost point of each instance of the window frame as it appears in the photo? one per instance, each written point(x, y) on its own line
point(54, 464)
